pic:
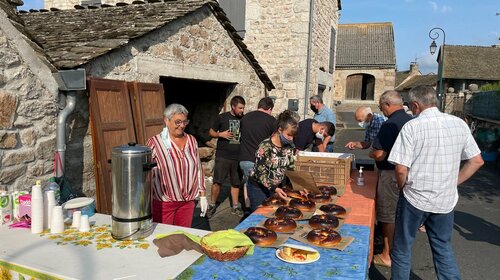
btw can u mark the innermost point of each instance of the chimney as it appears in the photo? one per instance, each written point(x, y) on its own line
point(14, 4)
point(414, 68)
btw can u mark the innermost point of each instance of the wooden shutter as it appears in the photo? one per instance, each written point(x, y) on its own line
point(370, 88)
point(149, 103)
point(354, 84)
point(112, 125)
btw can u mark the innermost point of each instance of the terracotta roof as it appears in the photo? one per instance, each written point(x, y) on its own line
point(74, 37)
point(365, 45)
point(418, 80)
point(471, 62)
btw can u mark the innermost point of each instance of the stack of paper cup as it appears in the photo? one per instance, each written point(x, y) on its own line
point(36, 209)
point(77, 216)
point(49, 203)
point(84, 224)
point(57, 220)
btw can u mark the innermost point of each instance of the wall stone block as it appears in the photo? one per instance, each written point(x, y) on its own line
point(7, 109)
point(35, 109)
point(45, 148)
point(18, 157)
point(8, 140)
point(28, 137)
point(9, 174)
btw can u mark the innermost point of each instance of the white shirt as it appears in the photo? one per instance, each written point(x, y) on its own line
point(432, 146)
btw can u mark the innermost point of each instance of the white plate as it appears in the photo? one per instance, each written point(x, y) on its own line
point(305, 248)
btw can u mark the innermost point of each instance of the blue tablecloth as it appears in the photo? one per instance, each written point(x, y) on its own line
point(352, 263)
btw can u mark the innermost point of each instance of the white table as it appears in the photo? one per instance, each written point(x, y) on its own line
point(32, 252)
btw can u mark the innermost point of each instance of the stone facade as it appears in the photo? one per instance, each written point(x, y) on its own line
point(28, 112)
point(193, 47)
point(384, 80)
point(277, 32)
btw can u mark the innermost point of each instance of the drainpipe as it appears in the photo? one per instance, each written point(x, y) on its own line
point(309, 51)
point(61, 129)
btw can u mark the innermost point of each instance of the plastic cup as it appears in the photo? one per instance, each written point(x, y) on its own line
point(77, 216)
point(84, 224)
point(57, 220)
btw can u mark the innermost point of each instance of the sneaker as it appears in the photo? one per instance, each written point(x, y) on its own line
point(237, 211)
point(211, 211)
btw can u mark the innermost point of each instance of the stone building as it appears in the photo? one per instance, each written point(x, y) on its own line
point(408, 79)
point(366, 62)
point(294, 41)
point(185, 49)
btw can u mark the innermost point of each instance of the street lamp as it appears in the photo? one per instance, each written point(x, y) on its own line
point(432, 49)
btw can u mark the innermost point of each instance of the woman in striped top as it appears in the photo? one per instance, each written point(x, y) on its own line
point(178, 178)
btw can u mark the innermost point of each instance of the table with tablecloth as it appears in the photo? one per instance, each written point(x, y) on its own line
point(352, 263)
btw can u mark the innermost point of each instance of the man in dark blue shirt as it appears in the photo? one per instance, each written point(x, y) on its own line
point(391, 105)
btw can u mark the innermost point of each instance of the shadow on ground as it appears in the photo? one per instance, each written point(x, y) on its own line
point(474, 228)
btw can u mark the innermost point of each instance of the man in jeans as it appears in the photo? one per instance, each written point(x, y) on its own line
point(227, 129)
point(255, 127)
point(427, 155)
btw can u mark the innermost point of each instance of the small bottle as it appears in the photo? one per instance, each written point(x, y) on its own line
point(360, 180)
point(53, 186)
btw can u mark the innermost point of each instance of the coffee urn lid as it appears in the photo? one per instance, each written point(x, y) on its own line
point(132, 148)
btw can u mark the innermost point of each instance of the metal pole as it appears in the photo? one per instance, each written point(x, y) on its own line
point(434, 36)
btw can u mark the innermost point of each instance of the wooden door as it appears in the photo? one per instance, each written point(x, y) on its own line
point(112, 125)
point(354, 84)
point(148, 105)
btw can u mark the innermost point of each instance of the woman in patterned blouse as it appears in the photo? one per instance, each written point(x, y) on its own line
point(274, 157)
point(178, 178)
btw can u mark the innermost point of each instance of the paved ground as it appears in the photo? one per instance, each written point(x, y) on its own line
point(476, 236)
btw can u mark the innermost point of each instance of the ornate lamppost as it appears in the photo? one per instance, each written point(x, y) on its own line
point(433, 34)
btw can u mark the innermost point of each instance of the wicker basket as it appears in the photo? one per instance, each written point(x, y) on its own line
point(326, 171)
point(216, 253)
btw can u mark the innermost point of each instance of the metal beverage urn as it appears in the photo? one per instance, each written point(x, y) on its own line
point(131, 197)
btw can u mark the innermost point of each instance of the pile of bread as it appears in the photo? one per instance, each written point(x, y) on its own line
point(323, 226)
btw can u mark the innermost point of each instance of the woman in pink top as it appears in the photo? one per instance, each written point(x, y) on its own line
point(178, 178)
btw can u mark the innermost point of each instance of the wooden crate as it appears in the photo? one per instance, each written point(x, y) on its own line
point(326, 170)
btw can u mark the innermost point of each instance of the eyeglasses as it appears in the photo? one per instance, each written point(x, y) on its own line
point(179, 122)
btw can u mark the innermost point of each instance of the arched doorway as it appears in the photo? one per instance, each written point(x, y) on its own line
point(360, 87)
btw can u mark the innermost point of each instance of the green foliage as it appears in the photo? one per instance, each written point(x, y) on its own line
point(490, 87)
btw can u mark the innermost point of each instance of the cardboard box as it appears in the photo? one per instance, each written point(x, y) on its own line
point(326, 168)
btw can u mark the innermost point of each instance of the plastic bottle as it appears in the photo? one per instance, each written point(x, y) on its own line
point(53, 186)
point(360, 180)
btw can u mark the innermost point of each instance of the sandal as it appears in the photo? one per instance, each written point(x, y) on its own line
point(377, 260)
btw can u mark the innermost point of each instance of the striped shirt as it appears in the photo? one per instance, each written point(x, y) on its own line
point(178, 175)
point(432, 146)
point(372, 131)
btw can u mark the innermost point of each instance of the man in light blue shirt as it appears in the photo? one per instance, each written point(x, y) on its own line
point(323, 114)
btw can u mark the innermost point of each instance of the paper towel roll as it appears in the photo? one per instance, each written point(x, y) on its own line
point(36, 209)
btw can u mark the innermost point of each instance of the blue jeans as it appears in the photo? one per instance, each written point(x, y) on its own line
point(246, 167)
point(439, 228)
point(257, 194)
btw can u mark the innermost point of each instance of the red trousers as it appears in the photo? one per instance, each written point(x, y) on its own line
point(179, 213)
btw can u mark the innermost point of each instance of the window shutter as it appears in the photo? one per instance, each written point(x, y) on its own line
point(235, 11)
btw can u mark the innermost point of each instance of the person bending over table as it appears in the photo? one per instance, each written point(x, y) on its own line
point(178, 178)
point(273, 158)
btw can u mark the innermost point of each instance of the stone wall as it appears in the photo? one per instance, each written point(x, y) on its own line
point(384, 80)
point(193, 47)
point(28, 112)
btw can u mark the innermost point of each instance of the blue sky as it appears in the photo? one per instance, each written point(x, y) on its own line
point(466, 22)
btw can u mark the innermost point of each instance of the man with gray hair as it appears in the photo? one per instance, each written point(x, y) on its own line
point(391, 105)
point(323, 114)
point(427, 155)
point(371, 122)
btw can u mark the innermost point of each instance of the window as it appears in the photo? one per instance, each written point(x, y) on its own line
point(360, 87)
point(333, 35)
point(235, 11)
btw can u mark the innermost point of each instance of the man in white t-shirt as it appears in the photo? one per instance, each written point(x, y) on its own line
point(427, 155)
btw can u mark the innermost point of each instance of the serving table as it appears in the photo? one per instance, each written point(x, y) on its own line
point(352, 263)
point(92, 255)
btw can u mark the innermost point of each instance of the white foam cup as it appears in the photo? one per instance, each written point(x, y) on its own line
point(77, 216)
point(84, 223)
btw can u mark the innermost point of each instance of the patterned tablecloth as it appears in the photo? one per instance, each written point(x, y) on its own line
point(352, 263)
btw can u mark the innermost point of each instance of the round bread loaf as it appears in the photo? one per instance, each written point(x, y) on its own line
point(280, 225)
point(274, 202)
point(320, 197)
point(288, 212)
point(302, 204)
point(324, 237)
point(324, 221)
point(261, 236)
point(295, 194)
point(331, 190)
point(334, 209)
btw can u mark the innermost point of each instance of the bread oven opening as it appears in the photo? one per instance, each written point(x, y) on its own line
point(203, 99)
